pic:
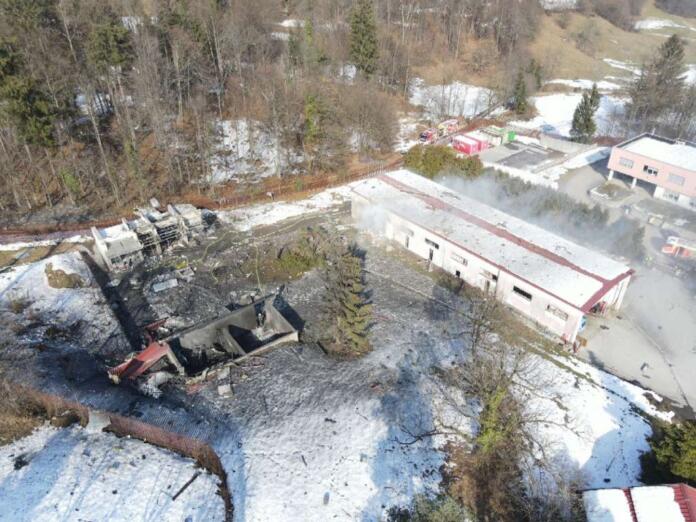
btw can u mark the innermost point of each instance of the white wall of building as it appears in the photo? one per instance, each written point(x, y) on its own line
point(552, 313)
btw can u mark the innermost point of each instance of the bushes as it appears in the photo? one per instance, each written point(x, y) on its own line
point(434, 159)
point(674, 454)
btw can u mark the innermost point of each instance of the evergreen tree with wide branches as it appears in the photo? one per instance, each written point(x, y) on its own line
point(659, 88)
point(348, 305)
point(364, 51)
point(584, 126)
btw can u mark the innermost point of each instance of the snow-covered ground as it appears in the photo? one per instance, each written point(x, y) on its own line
point(407, 136)
point(63, 305)
point(247, 151)
point(558, 5)
point(602, 85)
point(454, 99)
point(247, 218)
point(555, 114)
point(311, 438)
point(20, 245)
point(649, 24)
point(624, 66)
point(71, 474)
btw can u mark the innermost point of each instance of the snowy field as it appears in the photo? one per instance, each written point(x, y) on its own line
point(454, 99)
point(337, 440)
point(71, 474)
point(602, 85)
point(28, 285)
point(650, 24)
point(555, 114)
point(246, 218)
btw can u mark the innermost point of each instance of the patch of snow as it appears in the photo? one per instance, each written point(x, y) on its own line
point(291, 23)
point(690, 75)
point(558, 5)
point(72, 474)
point(656, 23)
point(247, 218)
point(555, 114)
point(607, 505)
point(656, 503)
point(454, 99)
point(407, 136)
point(624, 66)
point(602, 85)
point(248, 152)
point(588, 157)
point(21, 245)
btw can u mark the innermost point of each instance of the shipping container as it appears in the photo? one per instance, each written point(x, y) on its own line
point(494, 139)
point(480, 138)
point(504, 135)
point(465, 145)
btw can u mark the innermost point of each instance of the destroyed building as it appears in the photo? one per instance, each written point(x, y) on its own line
point(254, 328)
point(556, 283)
point(122, 246)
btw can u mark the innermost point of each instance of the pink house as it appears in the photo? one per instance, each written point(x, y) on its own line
point(667, 165)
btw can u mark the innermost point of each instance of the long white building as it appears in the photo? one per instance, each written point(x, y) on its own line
point(549, 279)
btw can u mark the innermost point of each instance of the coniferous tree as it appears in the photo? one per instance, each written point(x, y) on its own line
point(348, 305)
point(519, 96)
point(584, 126)
point(595, 97)
point(25, 104)
point(659, 88)
point(364, 51)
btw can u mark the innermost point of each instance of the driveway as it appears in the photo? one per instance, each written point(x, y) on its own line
point(652, 340)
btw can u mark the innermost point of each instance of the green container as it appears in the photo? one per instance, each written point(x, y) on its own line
point(510, 136)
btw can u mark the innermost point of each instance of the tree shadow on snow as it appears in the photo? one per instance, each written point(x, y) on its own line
point(406, 460)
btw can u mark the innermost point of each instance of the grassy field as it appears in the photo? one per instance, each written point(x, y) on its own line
point(557, 47)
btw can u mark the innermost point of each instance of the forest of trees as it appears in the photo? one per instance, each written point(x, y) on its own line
point(106, 103)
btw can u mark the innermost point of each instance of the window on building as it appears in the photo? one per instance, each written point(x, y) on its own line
point(557, 312)
point(625, 162)
point(459, 259)
point(489, 275)
point(431, 243)
point(523, 294)
point(650, 171)
point(673, 196)
point(677, 180)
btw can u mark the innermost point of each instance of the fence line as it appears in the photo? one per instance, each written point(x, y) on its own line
point(284, 188)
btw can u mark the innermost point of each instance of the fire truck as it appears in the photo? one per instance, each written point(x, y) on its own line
point(679, 247)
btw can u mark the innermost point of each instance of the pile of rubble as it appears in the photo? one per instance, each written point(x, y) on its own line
point(123, 246)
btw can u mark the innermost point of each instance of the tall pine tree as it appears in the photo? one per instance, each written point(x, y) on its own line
point(364, 52)
point(659, 88)
point(348, 306)
point(519, 96)
point(584, 126)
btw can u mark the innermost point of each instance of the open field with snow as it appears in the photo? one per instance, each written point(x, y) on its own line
point(72, 474)
point(555, 114)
